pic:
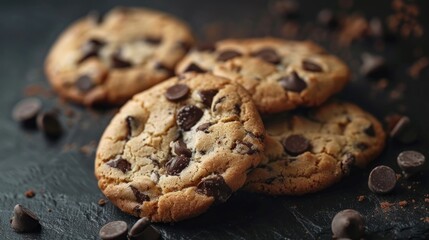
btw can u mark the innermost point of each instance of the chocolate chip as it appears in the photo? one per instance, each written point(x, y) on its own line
point(193, 67)
point(180, 148)
point(49, 123)
point(120, 164)
point(188, 116)
point(153, 40)
point(24, 220)
point(207, 96)
point(26, 110)
point(84, 83)
point(176, 164)
point(116, 230)
point(404, 131)
point(287, 9)
point(140, 197)
point(269, 55)
point(311, 66)
point(216, 187)
point(185, 46)
point(143, 230)
point(293, 82)
point(119, 62)
point(132, 125)
point(373, 66)
point(162, 67)
point(296, 144)
point(227, 55)
point(382, 179)
point(347, 162)
point(411, 162)
point(91, 48)
point(362, 146)
point(327, 18)
point(370, 131)
point(204, 127)
point(348, 224)
point(177, 92)
point(244, 148)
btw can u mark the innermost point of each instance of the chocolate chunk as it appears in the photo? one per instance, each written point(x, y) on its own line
point(347, 162)
point(188, 116)
point(293, 83)
point(370, 131)
point(120, 164)
point(244, 148)
point(84, 83)
point(327, 18)
point(362, 146)
point(24, 220)
point(207, 96)
point(184, 45)
point(132, 125)
point(193, 67)
point(140, 197)
point(26, 111)
point(216, 187)
point(204, 127)
point(49, 123)
point(180, 148)
point(373, 66)
point(311, 66)
point(91, 49)
point(177, 92)
point(382, 179)
point(287, 9)
point(119, 62)
point(116, 230)
point(404, 131)
point(411, 162)
point(269, 55)
point(176, 164)
point(153, 40)
point(296, 144)
point(142, 229)
point(227, 55)
point(348, 224)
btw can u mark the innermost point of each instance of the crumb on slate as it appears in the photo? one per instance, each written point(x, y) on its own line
point(361, 198)
point(403, 203)
point(386, 205)
point(102, 202)
point(417, 67)
point(89, 148)
point(30, 193)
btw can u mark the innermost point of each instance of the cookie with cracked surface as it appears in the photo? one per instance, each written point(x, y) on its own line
point(309, 151)
point(280, 75)
point(108, 60)
point(176, 149)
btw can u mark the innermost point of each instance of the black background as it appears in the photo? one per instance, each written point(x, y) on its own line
point(62, 176)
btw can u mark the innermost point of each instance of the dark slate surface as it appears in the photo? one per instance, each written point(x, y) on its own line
point(62, 176)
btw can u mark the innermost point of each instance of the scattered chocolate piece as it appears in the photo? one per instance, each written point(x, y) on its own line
point(116, 230)
point(361, 198)
point(373, 66)
point(193, 67)
point(101, 202)
point(382, 179)
point(180, 148)
point(293, 83)
point(140, 197)
point(216, 187)
point(118, 62)
point(49, 123)
point(348, 224)
point(176, 164)
point(268, 55)
point(311, 66)
point(177, 92)
point(91, 49)
point(188, 116)
point(227, 55)
point(411, 162)
point(296, 144)
point(120, 164)
point(327, 18)
point(204, 127)
point(404, 131)
point(84, 83)
point(142, 229)
point(287, 9)
point(30, 193)
point(207, 96)
point(24, 220)
point(26, 110)
point(153, 40)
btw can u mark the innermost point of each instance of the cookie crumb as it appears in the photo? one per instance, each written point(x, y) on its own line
point(102, 202)
point(30, 193)
point(386, 205)
point(426, 200)
point(403, 203)
point(361, 198)
point(89, 148)
point(417, 67)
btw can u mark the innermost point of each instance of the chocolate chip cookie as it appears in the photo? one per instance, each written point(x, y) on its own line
point(310, 150)
point(108, 59)
point(280, 75)
point(176, 149)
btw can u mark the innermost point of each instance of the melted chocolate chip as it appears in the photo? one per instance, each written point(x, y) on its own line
point(227, 55)
point(362, 146)
point(193, 67)
point(140, 197)
point(207, 96)
point(188, 116)
point(120, 164)
point(176, 164)
point(119, 62)
point(116, 230)
point(132, 125)
point(269, 55)
point(91, 49)
point(311, 66)
point(153, 40)
point(180, 148)
point(216, 187)
point(244, 148)
point(370, 131)
point(177, 92)
point(204, 127)
point(84, 83)
point(237, 109)
point(296, 144)
point(348, 224)
point(382, 179)
point(293, 83)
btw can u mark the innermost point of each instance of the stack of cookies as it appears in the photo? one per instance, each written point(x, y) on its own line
point(202, 123)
